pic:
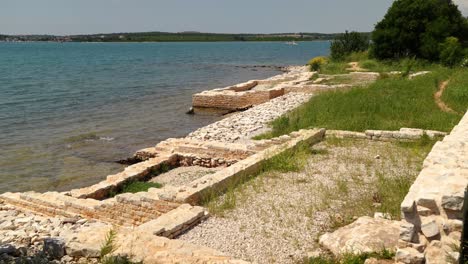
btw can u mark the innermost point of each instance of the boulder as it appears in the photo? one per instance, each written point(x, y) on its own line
point(364, 235)
point(54, 248)
point(7, 249)
point(87, 242)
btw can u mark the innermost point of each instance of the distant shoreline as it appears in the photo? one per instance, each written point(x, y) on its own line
point(171, 41)
point(173, 37)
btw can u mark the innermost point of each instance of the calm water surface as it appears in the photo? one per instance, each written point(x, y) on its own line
point(69, 111)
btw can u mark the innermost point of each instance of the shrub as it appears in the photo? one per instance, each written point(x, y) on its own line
point(464, 63)
point(348, 43)
point(316, 63)
point(451, 52)
point(416, 28)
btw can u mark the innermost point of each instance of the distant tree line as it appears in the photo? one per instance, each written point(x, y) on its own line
point(432, 30)
point(176, 37)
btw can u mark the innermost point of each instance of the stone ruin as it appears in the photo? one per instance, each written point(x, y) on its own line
point(255, 92)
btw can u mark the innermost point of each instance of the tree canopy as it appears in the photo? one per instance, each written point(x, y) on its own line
point(418, 28)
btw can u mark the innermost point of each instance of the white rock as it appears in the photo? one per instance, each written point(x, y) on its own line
point(406, 231)
point(430, 228)
point(409, 256)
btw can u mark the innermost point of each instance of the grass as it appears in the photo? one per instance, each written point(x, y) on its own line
point(367, 185)
point(373, 65)
point(291, 160)
point(456, 94)
point(350, 258)
point(137, 186)
point(387, 104)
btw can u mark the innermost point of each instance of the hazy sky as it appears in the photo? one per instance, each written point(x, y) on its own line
point(230, 16)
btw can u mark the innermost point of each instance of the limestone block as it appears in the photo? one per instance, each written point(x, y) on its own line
point(409, 256)
point(452, 225)
point(407, 231)
point(428, 201)
point(407, 206)
point(453, 202)
point(435, 254)
point(430, 228)
point(364, 235)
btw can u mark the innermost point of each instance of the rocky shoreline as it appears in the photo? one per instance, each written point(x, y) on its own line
point(28, 237)
point(70, 227)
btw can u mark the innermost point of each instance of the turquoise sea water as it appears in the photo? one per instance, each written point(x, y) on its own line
point(68, 111)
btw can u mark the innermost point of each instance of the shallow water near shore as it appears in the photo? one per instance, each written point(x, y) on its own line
point(69, 111)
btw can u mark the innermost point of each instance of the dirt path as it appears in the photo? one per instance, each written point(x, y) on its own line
point(438, 98)
point(354, 66)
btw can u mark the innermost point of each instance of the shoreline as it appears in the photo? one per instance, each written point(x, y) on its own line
point(194, 169)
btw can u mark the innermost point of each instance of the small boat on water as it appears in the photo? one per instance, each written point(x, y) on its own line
point(292, 43)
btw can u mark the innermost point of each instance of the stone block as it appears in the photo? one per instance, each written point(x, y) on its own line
point(54, 248)
point(409, 256)
point(364, 235)
point(453, 202)
point(407, 231)
point(430, 228)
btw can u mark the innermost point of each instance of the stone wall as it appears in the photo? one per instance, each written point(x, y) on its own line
point(230, 100)
point(432, 209)
point(404, 134)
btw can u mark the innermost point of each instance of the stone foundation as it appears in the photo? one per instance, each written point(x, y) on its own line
point(432, 209)
point(404, 134)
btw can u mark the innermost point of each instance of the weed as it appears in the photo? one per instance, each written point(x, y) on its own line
point(351, 258)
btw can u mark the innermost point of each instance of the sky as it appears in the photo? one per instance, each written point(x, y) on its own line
point(64, 17)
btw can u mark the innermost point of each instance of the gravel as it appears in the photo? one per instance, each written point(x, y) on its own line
point(279, 217)
point(244, 125)
point(183, 175)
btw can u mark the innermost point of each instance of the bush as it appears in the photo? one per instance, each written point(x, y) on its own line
point(316, 63)
point(416, 28)
point(451, 52)
point(348, 43)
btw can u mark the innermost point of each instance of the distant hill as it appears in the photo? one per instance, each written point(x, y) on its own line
point(172, 37)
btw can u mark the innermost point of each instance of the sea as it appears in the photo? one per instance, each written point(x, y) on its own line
point(69, 111)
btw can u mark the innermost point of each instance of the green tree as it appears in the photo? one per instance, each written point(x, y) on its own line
point(451, 52)
point(416, 28)
point(347, 43)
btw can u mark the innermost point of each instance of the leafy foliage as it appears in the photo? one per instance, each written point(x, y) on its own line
point(451, 52)
point(417, 28)
point(316, 63)
point(348, 43)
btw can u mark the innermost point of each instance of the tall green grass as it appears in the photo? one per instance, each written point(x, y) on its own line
point(456, 94)
point(387, 104)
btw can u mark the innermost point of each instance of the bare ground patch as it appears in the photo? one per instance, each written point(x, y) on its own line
point(277, 218)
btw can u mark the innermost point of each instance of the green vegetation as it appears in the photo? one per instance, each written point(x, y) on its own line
point(451, 53)
point(348, 43)
point(138, 186)
point(316, 63)
point(291, 160)
point(108, 248)
point(388, 104)
point(456, 94)
point(143, 185)
point(369, 185)
point(350, 258)
point(416, 28)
